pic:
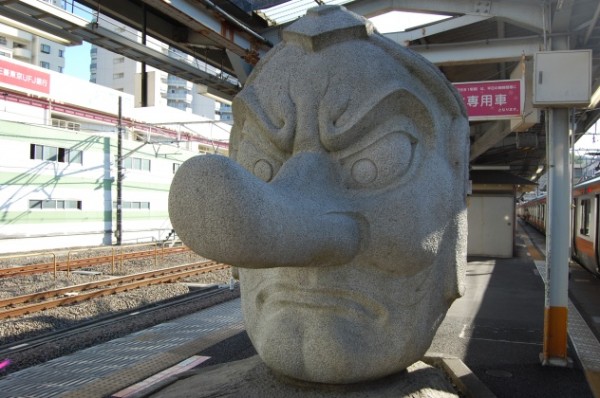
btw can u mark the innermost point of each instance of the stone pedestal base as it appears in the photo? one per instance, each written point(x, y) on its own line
point(250, 378)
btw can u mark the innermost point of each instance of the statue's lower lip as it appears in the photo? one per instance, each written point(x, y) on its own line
point(345, 303)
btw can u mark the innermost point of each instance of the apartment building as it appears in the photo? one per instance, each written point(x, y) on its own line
point(26, 47)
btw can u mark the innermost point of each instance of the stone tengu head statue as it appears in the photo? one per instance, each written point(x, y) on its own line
point(343, 203)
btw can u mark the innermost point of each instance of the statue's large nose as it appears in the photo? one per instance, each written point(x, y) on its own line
point(225, 213)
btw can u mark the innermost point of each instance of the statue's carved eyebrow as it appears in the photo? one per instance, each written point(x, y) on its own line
point(336, 136)
point(280, 136)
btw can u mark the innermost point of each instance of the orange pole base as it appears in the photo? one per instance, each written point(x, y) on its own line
point(555, 334)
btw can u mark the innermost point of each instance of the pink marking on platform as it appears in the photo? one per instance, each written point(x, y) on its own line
point(4, 363)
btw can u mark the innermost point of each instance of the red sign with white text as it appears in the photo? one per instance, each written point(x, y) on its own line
point(494, 99)
point(24, 77)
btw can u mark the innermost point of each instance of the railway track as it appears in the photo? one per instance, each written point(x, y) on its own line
point(31, 303)
point(70, 264)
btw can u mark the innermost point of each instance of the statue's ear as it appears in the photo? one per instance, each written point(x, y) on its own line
point(457, 144)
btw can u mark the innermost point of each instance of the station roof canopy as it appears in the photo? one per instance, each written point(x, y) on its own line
point(478, 41)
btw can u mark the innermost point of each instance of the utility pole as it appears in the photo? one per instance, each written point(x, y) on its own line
point(119, 230)
point(144, 77)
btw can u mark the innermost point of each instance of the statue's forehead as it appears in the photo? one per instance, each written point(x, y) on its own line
point(339, 75)
point(334, 89)
point(344, 62)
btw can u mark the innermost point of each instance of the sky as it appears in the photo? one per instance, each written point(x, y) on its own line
point(77, 61)
point(77, 58)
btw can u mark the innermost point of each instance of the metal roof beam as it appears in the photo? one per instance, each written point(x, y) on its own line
point(207, 19)
point(187, 25)
point(484, 51)
point(495, 133)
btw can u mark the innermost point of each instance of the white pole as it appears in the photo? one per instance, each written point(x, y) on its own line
point(557, 239)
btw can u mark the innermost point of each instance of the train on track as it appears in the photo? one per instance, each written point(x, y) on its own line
point(585, 222)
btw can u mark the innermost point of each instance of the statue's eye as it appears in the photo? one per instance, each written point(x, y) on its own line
point(263, 170)
point(381, 163)
point(257, 161)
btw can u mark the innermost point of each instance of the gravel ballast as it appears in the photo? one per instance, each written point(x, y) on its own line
point(56, 319)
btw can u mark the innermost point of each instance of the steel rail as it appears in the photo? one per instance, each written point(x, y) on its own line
point(105, 287)
point(85, 262)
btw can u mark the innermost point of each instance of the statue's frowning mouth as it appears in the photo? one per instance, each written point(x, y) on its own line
point(332, 302)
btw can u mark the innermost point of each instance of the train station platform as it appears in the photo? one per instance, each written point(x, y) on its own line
point(496, 330)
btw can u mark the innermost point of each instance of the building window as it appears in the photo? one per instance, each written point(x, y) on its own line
point(55, 204)
point(60, 69)
point(119, 60)
point(3, 40)
point(118, 75)
point(42, 152)
point(45, 48)
point(132, 163)
point(133, 205)
point(45, 64)
point(176, 167)
point(54, 154)
point(61, 53)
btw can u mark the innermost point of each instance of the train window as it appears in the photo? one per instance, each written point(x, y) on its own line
point(585, 217)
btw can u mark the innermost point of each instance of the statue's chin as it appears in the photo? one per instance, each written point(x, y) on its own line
point(327, 349)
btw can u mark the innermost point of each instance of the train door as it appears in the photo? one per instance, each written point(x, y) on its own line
point(596, 230)
point(573, 226)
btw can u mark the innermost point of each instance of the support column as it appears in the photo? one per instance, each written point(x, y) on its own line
point(557, 239)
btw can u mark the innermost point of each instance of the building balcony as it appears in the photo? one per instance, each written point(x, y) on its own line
point(177, 82)
point(183, 97)
point(21, 53)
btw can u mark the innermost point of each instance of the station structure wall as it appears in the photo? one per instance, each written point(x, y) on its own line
point(84, 190)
